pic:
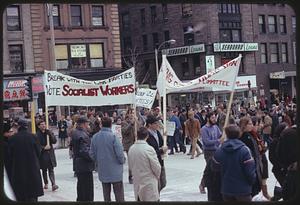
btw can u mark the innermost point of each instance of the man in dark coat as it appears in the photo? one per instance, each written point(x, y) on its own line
point(25, 173)
point(62, 131)
point(47, 158)
point(156, 141)
point(83, 163)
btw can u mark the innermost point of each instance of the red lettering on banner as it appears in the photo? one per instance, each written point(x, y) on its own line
point(119, 90)
point(67, 91)
point(217, 82)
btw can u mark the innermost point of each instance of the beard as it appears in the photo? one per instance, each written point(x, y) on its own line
point(211, 122)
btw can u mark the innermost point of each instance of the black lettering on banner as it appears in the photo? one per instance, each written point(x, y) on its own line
point(52, 90)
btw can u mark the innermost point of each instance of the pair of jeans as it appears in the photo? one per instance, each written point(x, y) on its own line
point(51, 175)
point(85, 186)
point(118, 191)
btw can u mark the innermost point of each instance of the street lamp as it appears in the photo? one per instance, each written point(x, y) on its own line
point(171, 41)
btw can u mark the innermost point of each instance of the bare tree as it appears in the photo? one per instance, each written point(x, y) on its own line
point(132, 60)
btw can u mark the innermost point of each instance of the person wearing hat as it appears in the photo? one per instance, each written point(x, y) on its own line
point(155, 140)
point(83, 163)
point(47, 159)
point(24, 151)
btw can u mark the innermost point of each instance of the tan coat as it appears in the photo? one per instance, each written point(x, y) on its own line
point(192, 128)
point(145, 167)
point(267, 128)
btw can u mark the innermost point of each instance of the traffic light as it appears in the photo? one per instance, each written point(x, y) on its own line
point(28, 88)
point(249, 84)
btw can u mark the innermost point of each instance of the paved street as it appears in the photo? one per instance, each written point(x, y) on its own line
point(183, 177)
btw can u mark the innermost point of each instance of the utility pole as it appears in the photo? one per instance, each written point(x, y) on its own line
point(52, 46)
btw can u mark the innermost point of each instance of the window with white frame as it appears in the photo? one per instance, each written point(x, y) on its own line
point(187, 10)
point(274, 52)
point(61, 56)
point(56, 15)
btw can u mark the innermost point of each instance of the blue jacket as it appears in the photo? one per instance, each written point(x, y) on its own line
point(238, 168)
point(107, 151)
point(210, 137)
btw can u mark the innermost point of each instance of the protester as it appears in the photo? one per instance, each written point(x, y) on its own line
point(83, 163)
point(211, 135)
point(62, 131)
point(177, 136)
point(246, 126)
point(156, 141)
point(128, 136)
point(278, 169)
point(192, 130)
point(237, 167)
point(24, 151)
point(47, 159)
point(267, 128)
point(288, 157)
point(107, 152)
point(143, 162)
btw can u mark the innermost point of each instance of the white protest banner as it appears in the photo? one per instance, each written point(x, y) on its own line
point(221, 78)
point(171, 126)
point(145, 97)
point(116, 129)
point(66, 90)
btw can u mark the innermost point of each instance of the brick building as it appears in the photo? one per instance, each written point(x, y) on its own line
point(207, 36)
point(87, 41)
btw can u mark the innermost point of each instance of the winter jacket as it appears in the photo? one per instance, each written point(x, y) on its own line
point(47, 158)
point(80, 146)
point(238, 168)
point(107, 152)
point(24, 151)
point(210, 137)
point(128, 136)
point(145, 167)
point(192, 128)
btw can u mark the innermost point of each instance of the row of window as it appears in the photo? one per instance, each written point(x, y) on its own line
point(186, 11)
point(76, 16)
point(277, 52)
point(68, 56)
point(272, 24)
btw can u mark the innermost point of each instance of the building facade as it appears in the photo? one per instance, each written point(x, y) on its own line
point(86, 36)
point(207, 36)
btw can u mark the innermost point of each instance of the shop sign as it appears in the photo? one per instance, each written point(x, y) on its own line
point(277, 75)
point(184, 50)
point(225, 47)
point(14, 90)
point(210, 63)
point(197, 48)
point(176, 51)
point(78, 51)
point(37, 84)
point(251, 46)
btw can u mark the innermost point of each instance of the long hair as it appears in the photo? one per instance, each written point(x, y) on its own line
point(243, 123)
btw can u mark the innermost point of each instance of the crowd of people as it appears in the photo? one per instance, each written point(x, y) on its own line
point(235, 152)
